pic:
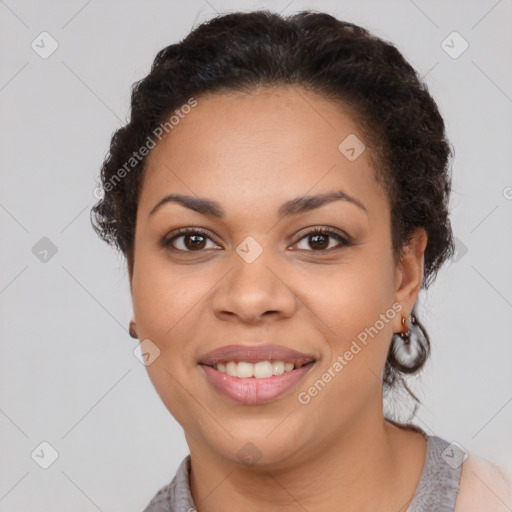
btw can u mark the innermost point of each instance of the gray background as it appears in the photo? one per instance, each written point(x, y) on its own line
point(68, 375)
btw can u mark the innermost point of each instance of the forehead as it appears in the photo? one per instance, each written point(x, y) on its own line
point(255, 148)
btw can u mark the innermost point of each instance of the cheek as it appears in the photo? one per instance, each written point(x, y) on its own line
point(164, 311)
point(354, 315)
point(354, 304)
point(174, 386)
point(165, 303)
point(162, 295)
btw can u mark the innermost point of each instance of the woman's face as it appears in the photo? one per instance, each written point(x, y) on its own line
point(254, 276)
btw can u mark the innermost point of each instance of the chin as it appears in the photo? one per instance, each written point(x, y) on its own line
point(257, 447)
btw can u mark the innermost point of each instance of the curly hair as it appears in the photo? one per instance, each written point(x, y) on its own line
point(341, 61)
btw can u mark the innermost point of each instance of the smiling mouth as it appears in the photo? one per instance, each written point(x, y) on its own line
point(251, 389)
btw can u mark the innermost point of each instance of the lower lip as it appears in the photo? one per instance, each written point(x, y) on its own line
point(254, 391)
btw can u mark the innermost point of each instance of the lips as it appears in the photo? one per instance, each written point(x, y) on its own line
point(255, 354)
point(252, 390)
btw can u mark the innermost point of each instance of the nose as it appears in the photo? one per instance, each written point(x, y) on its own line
point(252, 292)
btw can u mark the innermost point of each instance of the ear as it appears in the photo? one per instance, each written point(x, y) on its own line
point(409, 275)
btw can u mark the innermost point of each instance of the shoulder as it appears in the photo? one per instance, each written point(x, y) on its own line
point(484, 486)
point(176, 495)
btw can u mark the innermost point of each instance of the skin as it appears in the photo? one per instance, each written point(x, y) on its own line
point(251, 153)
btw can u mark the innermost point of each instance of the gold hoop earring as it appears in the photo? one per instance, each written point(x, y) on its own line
point(406, 334)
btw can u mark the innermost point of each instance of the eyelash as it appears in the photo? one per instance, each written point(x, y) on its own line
point(166, 242)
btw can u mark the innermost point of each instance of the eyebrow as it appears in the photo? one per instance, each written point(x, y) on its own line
point(292, 207)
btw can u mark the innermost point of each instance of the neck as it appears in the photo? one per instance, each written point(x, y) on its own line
point(371, 465)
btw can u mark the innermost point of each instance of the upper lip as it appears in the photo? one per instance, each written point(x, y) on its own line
point(255, 354)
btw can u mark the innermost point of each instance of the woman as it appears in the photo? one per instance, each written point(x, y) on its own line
point(281, 196)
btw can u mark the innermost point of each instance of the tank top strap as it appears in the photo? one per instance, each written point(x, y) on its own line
point(439, 481)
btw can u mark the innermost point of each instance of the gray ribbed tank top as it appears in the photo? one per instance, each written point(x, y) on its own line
point(439, 482)
point(436, 491)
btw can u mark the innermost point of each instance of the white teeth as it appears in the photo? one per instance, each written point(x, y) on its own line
point(277, 367)
point(245, 369)
point(231, 368)
point(261, 370)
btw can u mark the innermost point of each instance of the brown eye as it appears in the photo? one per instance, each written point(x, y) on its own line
point(194, 241)
point(320, 240)
point(188, 240)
